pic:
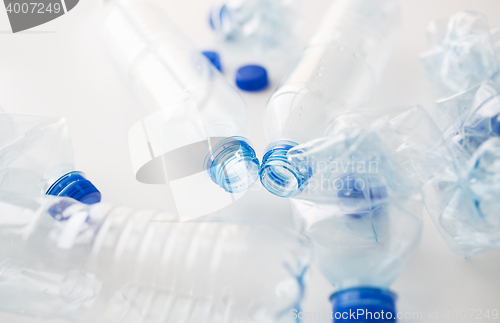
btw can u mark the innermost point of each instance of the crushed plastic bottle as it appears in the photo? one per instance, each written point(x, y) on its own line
point(36, 157)
point(463, 199)
point(362, 206)
point(193, 131)
point(105, 263)
point(260, 25)
point(337, 71)
point(461, 53)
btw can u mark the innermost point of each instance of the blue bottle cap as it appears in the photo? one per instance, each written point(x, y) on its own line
point(75, 186)
point(353, 187)
point(214, 57)
point(251, 78)
point(364, 305)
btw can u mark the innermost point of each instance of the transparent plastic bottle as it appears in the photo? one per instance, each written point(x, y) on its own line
point(101, 263)
point(36, 157)
point(188, 100)
point(362, 206)
point(462, 200)
point(337, 71)
point(372, 232)
point(260, 25)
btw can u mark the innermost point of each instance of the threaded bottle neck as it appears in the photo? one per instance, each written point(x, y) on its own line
point(278, 175)
point(232, 164)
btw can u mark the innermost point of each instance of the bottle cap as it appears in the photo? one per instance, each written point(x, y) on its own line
point(75, 186)
point(354, 186)
point(214, 57)
point(364, 304)
point(251, 78)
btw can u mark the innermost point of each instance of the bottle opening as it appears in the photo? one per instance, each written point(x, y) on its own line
point(277, 175)
point(75, 186)
point(364, 305)
point(232, 164)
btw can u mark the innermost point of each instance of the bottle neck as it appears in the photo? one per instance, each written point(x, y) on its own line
point(278, 175)
point(232, 164)
point(364, 305)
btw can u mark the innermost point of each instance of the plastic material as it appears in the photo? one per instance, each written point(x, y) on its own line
point(190, 107)
point(75, 186)
point(461, 53)
point(116, 264)
point(251, 78)
point(362, 206)
point(278, 176)
point(214, 57)
point(37, 159)
point(366, 305)
point(337, 71)
point(257, 25)
point(232, 169)
point(463, 198)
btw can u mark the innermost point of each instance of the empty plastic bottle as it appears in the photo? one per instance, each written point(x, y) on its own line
point(184, 92)
point(463, 199)
point(461, 54)
point(362, 207)
point(113, 264)
point(36, 157)
point(337, 71)
point(194, 123)
point(257, 24)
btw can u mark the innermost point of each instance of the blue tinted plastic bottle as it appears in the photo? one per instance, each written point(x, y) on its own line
point(362, 206)
point(184, 91)
point(257, 25)
point(36, 157)
point(107, 263)
point(362, 241)
point(337, 71)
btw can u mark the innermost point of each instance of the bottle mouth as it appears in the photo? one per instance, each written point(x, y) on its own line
point(232, 164)
point(75, 186)
point(278, 175)
point(364, 305)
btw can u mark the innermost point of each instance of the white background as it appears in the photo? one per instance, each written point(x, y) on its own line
point(60, 69)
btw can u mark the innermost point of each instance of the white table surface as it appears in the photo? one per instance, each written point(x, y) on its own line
point(59, 69)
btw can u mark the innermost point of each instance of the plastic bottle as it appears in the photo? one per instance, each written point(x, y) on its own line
point(362, 205)
point(462, 199)
point(461, 53)
point(260, 25)
point(114, 264)
point(372, 232)
point(36, 157)
point(188, 100)
point(337, 71)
